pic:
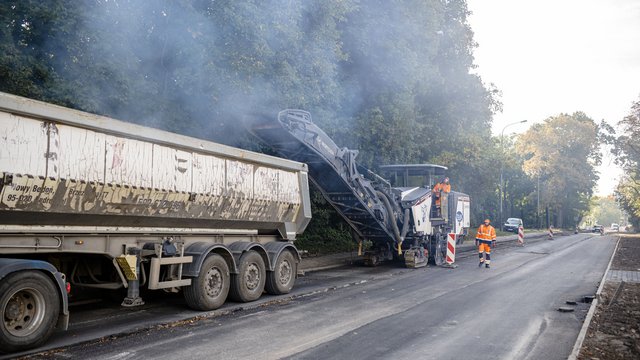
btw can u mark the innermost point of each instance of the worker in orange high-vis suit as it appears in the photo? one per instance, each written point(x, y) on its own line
point(441, 187)
point(485, 239)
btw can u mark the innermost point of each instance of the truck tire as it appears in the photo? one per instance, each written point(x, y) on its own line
point(248, 284)
point(209, 290)
point(281, 279)
point(30, 305)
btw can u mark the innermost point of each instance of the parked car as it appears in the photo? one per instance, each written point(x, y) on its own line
point(615, 227)
point(597, 228)
point(512, 224)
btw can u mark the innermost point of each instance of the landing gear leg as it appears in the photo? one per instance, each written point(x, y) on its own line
point(133, 290)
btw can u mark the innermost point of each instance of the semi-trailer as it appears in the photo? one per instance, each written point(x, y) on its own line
point(89, 202)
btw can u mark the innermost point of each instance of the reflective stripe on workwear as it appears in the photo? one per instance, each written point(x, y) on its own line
point(486, 232)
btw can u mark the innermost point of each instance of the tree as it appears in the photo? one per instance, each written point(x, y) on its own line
point(627, 151)
point(604, 211)
point(520, 190)
point(628, 196)
point(29, 41)
point(563, 151)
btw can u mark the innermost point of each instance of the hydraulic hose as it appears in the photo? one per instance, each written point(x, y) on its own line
point(405, 224)
point(391, 218)
point(405, 228)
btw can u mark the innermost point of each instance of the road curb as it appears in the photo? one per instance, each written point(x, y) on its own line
point(322, 268)
point(592, 309)
point(313, 264)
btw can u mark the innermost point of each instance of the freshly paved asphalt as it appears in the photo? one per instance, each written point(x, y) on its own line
point(506, 312)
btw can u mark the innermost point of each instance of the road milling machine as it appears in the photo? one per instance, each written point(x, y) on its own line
point(397, 217)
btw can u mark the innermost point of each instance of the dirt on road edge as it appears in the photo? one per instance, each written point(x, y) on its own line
point(614, 331)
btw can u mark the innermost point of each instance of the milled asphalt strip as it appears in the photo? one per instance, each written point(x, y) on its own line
point(585, 326)
point(462, 249)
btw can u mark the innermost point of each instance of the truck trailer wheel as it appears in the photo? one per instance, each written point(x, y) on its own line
point(209, 290)
point(30, 307)
point(248, 284)
point(281, 279)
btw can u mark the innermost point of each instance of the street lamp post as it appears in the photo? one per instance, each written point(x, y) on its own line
point(502, 164)
point(538, 201)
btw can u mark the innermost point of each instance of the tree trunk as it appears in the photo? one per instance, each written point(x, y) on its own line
point(547, 215)
point(560, 217)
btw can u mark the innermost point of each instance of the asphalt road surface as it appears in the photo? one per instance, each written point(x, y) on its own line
point(507, 312)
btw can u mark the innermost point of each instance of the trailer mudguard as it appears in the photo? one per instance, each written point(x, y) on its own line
point(9, 266)
point(240, 247)
point(274, 249)
point(200, 251)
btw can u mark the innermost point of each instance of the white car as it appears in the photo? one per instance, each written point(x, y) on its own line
point(615, 227)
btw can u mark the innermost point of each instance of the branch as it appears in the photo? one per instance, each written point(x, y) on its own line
point(635, 150)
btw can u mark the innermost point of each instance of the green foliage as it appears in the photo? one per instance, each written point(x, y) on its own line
point(627, 151)
point(604, 211)
point(327, 232)
point(520, 195)
point(563, 151)
point(26, 55)
point(385, 136)
point(388, 77)
point(628, 196)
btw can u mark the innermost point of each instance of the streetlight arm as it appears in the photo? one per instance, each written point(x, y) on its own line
point(513, 123)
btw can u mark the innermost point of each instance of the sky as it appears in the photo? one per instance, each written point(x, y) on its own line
point(551, 57)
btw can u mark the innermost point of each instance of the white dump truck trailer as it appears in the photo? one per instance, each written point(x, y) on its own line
point(89, 202)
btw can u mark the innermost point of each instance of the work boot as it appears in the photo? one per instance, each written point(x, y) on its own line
point(487, 266)
point(480, 265)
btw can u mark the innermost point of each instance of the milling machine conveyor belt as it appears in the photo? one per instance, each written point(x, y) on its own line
point(335, 173)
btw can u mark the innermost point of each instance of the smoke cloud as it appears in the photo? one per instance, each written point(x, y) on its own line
point(373, 74)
